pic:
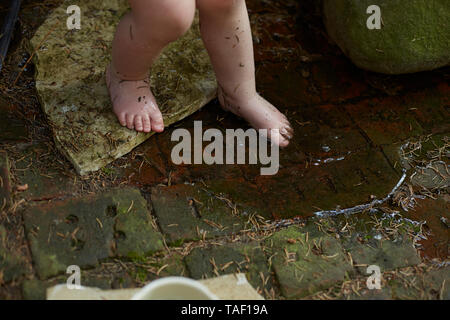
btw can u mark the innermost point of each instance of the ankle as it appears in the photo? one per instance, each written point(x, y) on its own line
point(237, 95)
point(126, 76)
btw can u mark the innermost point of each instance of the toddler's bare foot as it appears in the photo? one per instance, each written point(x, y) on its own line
point(261, 114)
point(133, 103)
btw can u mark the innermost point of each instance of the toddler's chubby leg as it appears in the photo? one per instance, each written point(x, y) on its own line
point(225, 28)
point(141, 35)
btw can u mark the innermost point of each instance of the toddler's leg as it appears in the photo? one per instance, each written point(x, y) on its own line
point(140, 38)
point(225, 28)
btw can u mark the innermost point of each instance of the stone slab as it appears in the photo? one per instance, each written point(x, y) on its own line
point(118, 275)
point(432, 285)
point(335, 181)
point(374, 294)
point(436, 214)
point(305, 263)
point(187, 212)
point(438, 281)
point(385, 120)
point(434, 176)
point(387, 254)
point(35, 289)
point(155, 267)
point(205, 263)
point(243, 195)
point(70, 82)
point(84, 231)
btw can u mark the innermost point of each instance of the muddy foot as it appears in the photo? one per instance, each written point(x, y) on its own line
point(134, 103)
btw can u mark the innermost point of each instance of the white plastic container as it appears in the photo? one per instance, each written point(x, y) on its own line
point(174, 288)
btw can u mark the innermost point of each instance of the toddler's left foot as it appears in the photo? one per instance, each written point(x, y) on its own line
point(261, 114)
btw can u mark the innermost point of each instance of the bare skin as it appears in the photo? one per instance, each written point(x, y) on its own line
point(225, 28)
point(141, 36)
point(134, 103)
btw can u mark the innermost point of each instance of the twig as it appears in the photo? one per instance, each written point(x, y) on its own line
point(363, 207)
point(35, 51)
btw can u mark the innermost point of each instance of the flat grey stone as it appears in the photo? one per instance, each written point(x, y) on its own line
point(387, 254)
point(70, 81)
point(85, 231)
point(215, 261)
point(306, 263)
point(433, 176)
point(187, 212)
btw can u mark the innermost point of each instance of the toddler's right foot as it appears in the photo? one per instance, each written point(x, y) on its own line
point(133, 103)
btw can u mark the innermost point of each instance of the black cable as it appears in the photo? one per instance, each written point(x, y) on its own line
point(7, 30)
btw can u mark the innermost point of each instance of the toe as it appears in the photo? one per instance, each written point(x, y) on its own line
point(122, 119)
point(284, 143)
point(157, 121)
point(138, 123)
point(277, 137)
point(286, 135)
point(147, 123)
point(130, 121)
point(287, 132)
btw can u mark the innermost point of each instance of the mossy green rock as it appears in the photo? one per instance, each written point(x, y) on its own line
point(70, 67)
point(414, 34)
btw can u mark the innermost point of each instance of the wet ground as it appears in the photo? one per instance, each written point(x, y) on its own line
point(356, 133)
